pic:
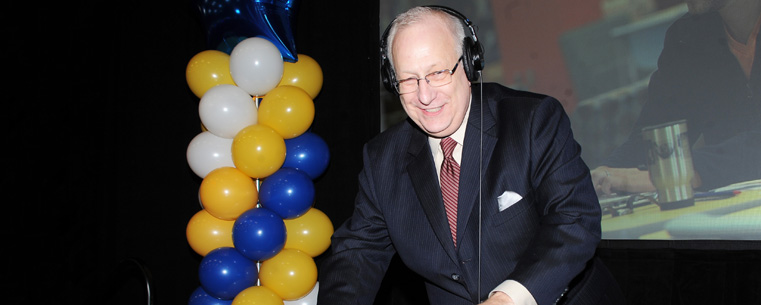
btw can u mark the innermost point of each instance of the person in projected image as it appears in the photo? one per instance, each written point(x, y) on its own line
point(707, 75)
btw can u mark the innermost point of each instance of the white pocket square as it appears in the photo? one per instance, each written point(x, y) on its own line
point(507, 199)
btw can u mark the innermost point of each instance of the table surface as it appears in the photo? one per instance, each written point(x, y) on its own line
point(649, 222)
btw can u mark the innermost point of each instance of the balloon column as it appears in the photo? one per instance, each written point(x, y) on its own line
point(257, 229)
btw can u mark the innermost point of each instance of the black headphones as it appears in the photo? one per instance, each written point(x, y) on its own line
point(472, 51)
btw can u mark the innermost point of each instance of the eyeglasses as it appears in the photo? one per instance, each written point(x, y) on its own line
point(435, 79)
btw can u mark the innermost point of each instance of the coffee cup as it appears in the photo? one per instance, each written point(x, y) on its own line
point(669, 163)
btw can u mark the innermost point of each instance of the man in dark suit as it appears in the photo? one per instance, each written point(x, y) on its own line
point(526, 221)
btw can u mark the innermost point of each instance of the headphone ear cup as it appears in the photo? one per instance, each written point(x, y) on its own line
point(467, 60)
point(387, 75)
point(477, 56)
point(472, 58)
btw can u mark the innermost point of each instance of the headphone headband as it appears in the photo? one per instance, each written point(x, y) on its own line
point(472, 50)
point(466, 22)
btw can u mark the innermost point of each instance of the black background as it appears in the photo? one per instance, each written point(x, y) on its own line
point(97, 120)
point(97, 117)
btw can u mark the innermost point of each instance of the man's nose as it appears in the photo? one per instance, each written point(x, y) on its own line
point(425, 92)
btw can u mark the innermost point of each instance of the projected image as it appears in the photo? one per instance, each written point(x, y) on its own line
point(688, 166)
point(664, 98)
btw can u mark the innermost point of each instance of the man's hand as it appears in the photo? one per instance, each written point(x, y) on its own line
point(499, 298)
point(631, 180)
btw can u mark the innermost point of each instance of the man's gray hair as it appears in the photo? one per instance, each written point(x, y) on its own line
point(417, 14)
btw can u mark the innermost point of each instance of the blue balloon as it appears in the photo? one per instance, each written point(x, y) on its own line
point(288, 192)
point(201, 297)
point(229, 22)
point(259, 234)
point(224, 272)
point(308, 153)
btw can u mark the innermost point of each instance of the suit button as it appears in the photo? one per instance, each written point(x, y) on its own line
point(455, 276)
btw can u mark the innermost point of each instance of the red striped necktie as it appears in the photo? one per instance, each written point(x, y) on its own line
point(450, 180)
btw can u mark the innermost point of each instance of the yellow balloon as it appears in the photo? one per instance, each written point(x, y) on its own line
point(304, 73)
point(227, 192)
point(288, 110)
point(206, 232)
point(208, 69)
point(291, 274)
point(257, 295)
point(258, 151)
point(309, 233)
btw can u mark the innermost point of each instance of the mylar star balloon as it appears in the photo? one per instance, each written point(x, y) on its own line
point(229, 22)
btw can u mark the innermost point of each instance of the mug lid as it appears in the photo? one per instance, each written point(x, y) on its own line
point(683, 121)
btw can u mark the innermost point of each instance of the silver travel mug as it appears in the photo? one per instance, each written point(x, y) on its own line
point(669, 162)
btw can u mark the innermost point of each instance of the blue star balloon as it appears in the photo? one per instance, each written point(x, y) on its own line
point(228, 22)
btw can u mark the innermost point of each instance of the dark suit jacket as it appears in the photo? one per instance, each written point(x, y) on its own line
point(543, 241)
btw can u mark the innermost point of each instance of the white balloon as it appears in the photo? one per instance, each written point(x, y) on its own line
point(256, 65)
point(309, 299)
point(226, 109)
point(207, 152)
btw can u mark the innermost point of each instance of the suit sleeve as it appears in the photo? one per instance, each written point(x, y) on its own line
point(361, 250)
point(569, 212)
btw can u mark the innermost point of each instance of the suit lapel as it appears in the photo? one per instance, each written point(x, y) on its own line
point(423, 175)
point(467, 209)
point(422, 172)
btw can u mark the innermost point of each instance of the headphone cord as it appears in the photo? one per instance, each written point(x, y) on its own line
point(480, 177)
